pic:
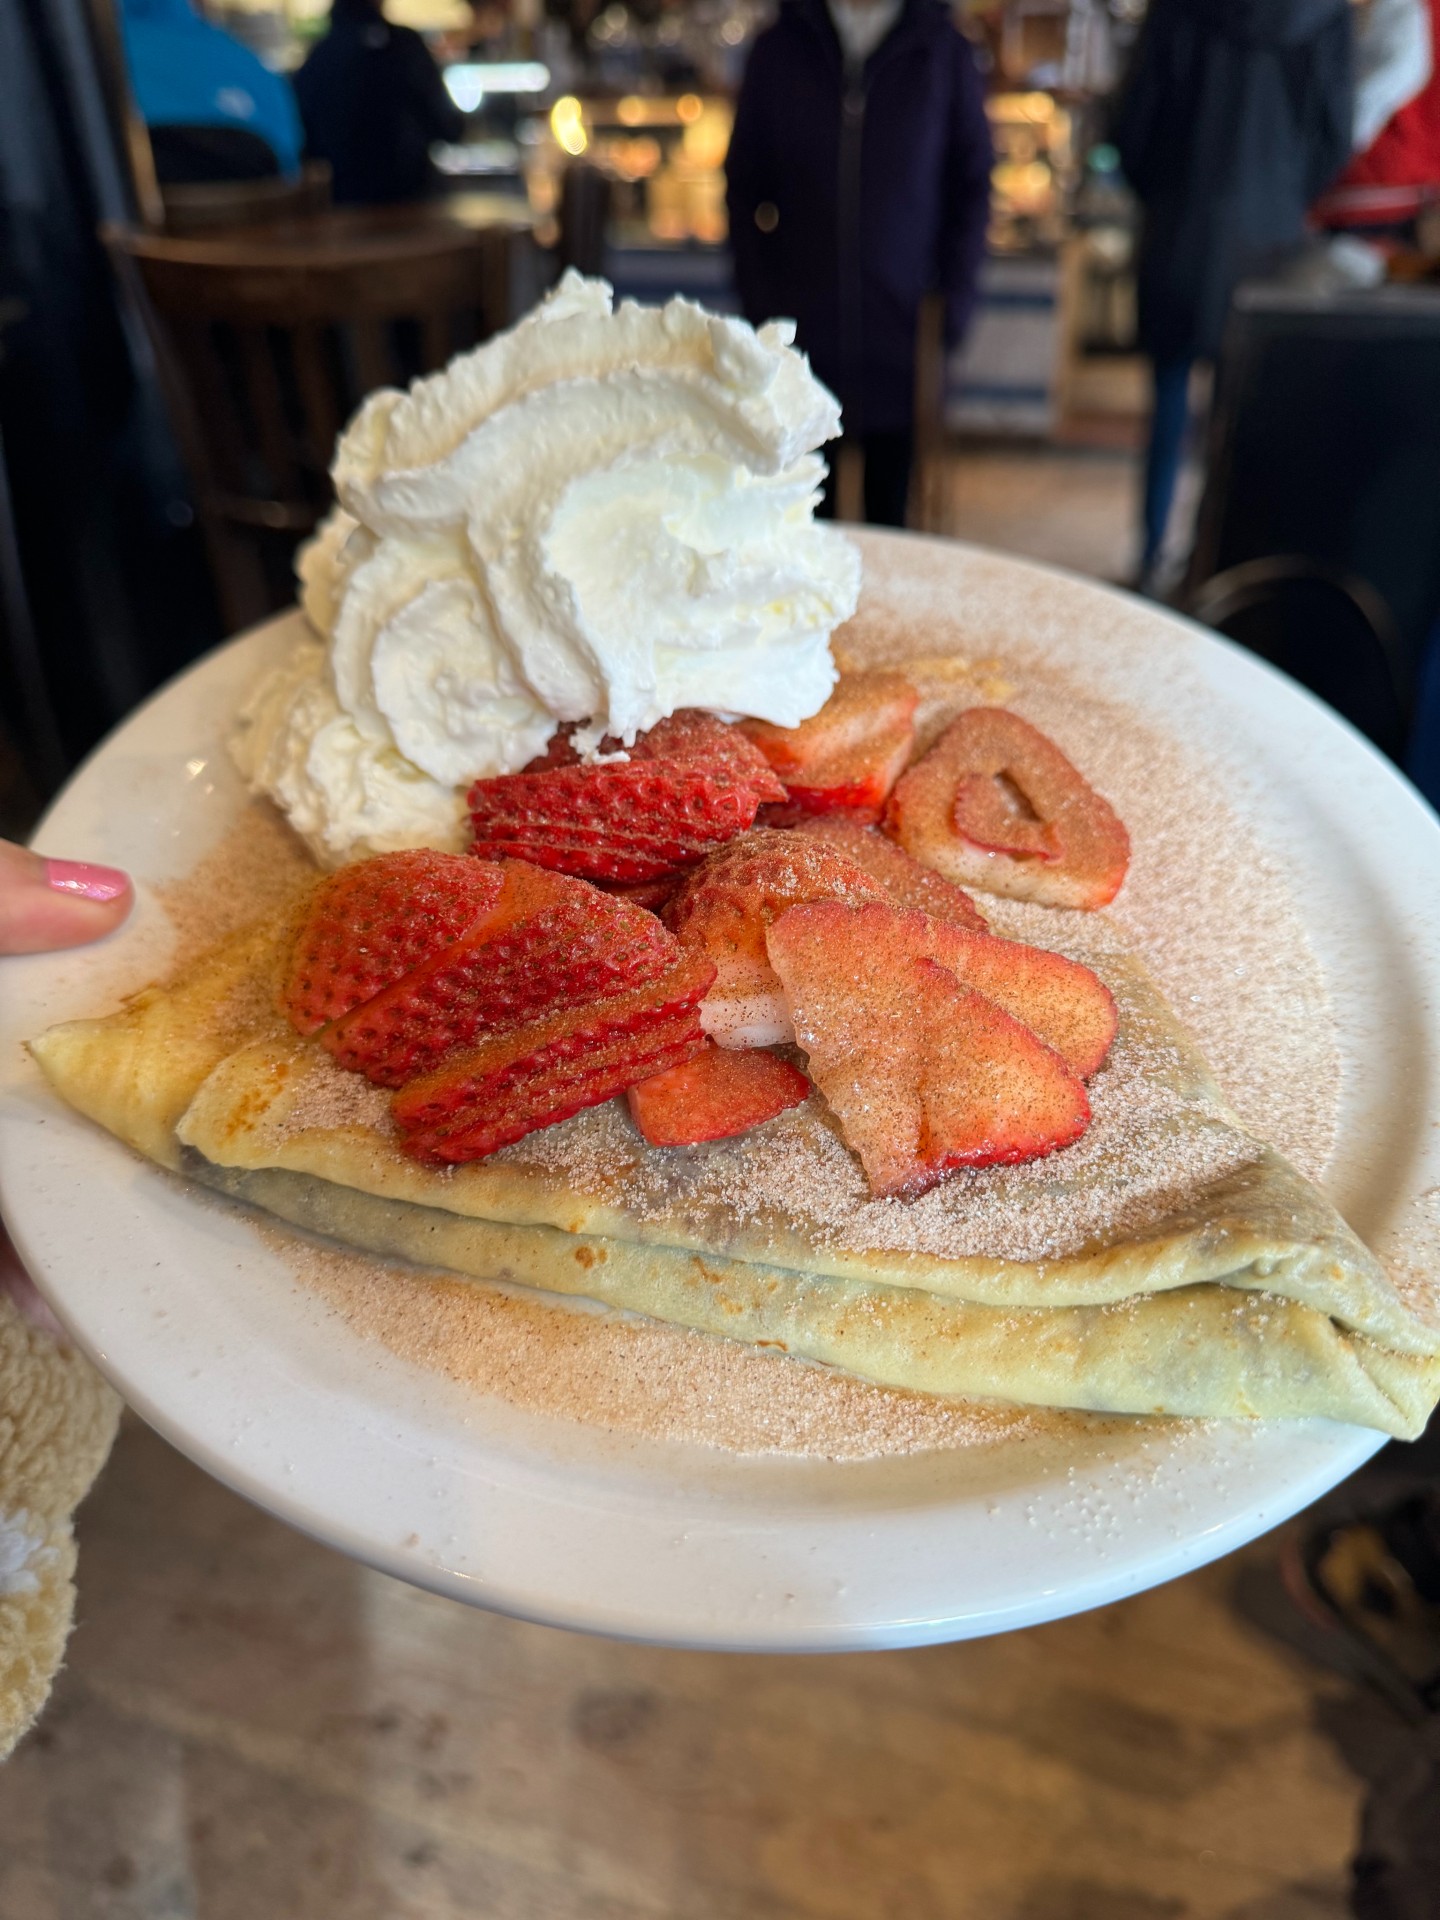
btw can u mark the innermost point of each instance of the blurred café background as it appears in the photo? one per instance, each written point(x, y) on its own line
point(190, 306)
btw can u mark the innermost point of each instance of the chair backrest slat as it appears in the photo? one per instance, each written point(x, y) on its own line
point(207, 394)
point(374, 362)
point(436, 341)
point(269, 416)
point(319, 388)
point(272, 337)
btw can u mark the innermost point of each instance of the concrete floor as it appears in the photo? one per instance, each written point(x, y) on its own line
point(252, 1728)
point(1072, 507)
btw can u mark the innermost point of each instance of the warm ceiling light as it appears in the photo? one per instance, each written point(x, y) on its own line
point(567, 123)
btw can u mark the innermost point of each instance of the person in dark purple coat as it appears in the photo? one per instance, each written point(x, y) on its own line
point(858, 181)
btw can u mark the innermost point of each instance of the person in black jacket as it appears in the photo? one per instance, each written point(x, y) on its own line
point(858, 181)
point(373, 103)
point(1235, 117)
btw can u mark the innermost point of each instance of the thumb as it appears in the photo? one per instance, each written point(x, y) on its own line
point(57, 903)
point(15, 1282)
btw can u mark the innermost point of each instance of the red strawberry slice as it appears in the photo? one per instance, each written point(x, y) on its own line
point(1063, 1003)
point(559, 750)
point(993, 1094)
point(629, 821)
point(905, 880)
point(547, 1092)
point(992, 812)
point(653, 895)
point(723, 908)
point(995, 804)
point(533, 1076)
point(692, 737)
point(371, 923)
point(850, 754)
point(548, 942)
point(924, 1074)
point(713, 1095)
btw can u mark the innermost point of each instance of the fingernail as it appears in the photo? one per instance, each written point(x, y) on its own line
point(90, 882)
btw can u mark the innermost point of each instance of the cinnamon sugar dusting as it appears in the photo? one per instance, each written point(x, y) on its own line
point(633, 1376)
point(326, 1096)
point(1211, 916)
point(259, 868)
point(1149, 1146)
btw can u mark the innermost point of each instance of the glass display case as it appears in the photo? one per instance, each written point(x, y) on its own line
point(664, 155)
point(1034, 171)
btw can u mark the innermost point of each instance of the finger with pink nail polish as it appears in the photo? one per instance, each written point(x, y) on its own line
point(89, 882)
point(46, 904)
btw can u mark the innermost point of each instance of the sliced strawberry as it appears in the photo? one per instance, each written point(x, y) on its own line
point(689, 737)
point(904, 879)
point(723, 908)
point(375, 921)
point(714, 1095)
point(653, 895)
point(993, 1093)
point(559, 750)
point(550, 1092)
point(1063, 1003)
point(995, 804)
point(850, 754)
point(629, 821)
point(549, 942)
point(924, 1074)
point(992, 813)
point(531, 1077)
point(692, 737)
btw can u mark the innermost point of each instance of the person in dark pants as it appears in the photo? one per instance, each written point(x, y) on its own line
point(373, 103)
point(858, 181)
point(1235, 116)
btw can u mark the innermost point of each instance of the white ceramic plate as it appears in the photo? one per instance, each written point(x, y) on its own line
point(211, 1338)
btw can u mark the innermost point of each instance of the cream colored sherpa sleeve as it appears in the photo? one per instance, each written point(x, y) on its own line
point(57, 1421)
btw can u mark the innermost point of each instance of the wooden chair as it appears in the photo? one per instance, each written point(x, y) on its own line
point(268, 339)
point(203, 207)
point(1317, 542)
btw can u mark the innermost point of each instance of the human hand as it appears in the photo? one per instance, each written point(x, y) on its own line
point(45, 904)
point(16, 1285)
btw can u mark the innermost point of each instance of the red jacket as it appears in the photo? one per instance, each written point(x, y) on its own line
point(1400, 171)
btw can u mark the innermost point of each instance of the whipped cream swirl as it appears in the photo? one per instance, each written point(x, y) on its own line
point(596, 517)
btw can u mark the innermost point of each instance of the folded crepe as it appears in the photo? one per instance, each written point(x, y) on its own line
point(1168, 1262)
